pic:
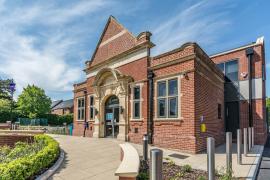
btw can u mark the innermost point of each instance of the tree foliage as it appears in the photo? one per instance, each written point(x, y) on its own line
point(268, 103)
point(4, 89)
point(33, 102)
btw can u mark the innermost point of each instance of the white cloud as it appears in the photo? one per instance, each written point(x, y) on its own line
point(198, 22)
point(40, 58)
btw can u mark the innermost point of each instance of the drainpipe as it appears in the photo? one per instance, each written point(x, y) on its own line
point(85, 107)
point(150, 129)
point(249, 54)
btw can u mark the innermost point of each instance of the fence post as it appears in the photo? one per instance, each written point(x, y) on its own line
point(228, 152)
point(211, 158)
point(249, 138)
point(245, 142)
point(156, 157)
point(145, 147)
point(239, 146)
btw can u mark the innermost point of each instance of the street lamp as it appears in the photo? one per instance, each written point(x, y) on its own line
point(12, 86)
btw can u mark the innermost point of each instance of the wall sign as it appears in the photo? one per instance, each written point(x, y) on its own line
point(109, 116)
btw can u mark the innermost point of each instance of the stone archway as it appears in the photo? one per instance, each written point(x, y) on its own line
point(110, 82)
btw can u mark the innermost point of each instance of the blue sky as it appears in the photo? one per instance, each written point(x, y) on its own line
point(47, 42)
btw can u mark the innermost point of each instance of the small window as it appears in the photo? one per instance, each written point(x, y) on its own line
point(136, 102)
point(91, 108)
point(231, 71)
point(219, 111)
point(81, 106)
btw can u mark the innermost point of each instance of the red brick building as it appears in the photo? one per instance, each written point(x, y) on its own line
point(177, 98)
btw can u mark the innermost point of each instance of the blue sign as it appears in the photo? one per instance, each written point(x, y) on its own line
point(109, 116)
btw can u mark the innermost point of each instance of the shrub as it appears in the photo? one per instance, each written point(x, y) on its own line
point(202, 178)
point(56, 120)
point(25, 160)
point(187, 168)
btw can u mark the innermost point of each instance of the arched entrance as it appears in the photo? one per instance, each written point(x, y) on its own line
point(112, 116)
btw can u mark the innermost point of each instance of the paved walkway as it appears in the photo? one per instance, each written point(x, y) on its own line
point(264, 170)
point(88, 158)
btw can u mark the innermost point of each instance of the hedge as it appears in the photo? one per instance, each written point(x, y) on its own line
point(57, 120)
point(5, 116)
point(28, 166)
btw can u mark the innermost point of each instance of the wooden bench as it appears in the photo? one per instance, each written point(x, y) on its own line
point(129, 167)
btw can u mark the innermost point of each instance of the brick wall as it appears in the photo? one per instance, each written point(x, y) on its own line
point(10, 140)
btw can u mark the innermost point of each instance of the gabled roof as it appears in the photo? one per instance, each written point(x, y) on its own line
point(64, 104)
point(55, 103)
point(113, 31)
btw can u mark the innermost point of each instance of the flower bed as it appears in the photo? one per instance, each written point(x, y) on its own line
point(171, 171)
point(24, 161)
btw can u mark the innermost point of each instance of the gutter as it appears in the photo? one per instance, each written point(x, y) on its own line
point(150, 129)
point(249, 54)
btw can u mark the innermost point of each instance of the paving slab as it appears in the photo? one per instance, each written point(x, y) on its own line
point(88, 158)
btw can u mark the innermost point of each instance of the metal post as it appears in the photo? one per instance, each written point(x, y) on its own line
point(156, 156)
point(239, 146)
point(249, 138)
point(145, 147)
point(211, 158)
point(245, 142)
point(228, 151)
point(252, 136)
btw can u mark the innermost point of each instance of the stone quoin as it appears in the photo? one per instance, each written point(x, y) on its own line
point(179, 98)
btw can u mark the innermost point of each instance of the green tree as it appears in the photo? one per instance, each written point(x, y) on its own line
point(5, 104)
point(4, 89)
point(33, 102)
point(268, 103)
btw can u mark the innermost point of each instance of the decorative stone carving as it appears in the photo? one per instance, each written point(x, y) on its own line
point(110, 82)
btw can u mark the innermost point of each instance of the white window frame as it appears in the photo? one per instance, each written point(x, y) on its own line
point(91, 106)
point(132, 86)
point(167, 97)
point(80, 109)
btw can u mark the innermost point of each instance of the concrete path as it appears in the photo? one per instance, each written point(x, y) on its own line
point(264, 170)
point(88, 158)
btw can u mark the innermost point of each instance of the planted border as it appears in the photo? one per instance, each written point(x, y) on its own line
point(28, 166)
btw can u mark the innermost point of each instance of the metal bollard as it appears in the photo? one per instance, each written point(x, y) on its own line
point(228, 151)
point(211, 158)
point(156, 157)
point(245, 142)
point(239, 146)
point(145, 147)
point(249, 138)
point(252, 136)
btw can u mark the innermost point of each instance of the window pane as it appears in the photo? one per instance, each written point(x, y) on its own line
point(79, 103)
point(173, 111)
point(161, 107)
point(221, 66)
point(137, 93)
point(91, 100)
point(173, 87)
point(79, 114)
point(82, 102)
point(136, 109)
point(82, 114)
point(91, 112)
point(231, 71)
point(162, 88)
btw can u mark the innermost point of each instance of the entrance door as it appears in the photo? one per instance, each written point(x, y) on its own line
point(112, 117)
point(232, 117)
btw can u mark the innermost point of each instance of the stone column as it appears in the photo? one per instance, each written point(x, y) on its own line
point(122, 118)
point(96, 130)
